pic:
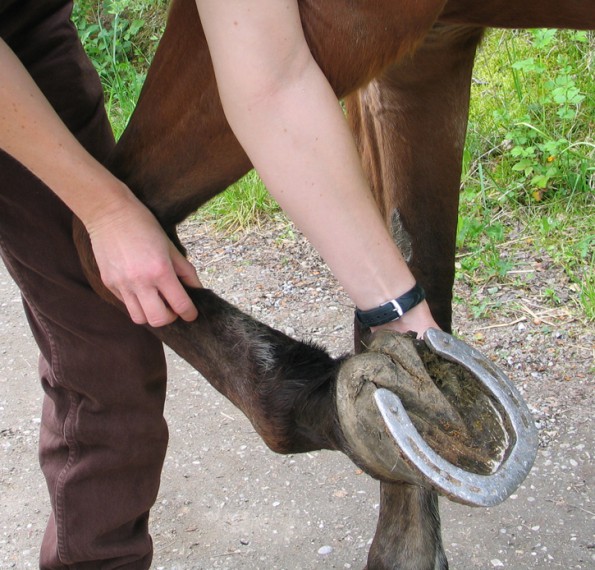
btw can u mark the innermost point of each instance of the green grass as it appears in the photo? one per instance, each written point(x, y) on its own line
point(529, 160)
point(244, 205)
point(120, 38)
point(529, 168)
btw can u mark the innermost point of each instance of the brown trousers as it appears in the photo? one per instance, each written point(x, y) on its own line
point(103, 436)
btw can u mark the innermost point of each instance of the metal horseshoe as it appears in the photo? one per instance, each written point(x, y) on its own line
point(455, 483)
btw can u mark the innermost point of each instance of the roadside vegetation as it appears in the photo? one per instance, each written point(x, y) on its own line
point(528, 185)
point(529, 164)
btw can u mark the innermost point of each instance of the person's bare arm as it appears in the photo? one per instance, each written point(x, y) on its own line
point(136, 259)
point(286, 116)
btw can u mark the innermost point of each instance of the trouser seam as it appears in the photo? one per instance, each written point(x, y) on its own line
point(73, 452)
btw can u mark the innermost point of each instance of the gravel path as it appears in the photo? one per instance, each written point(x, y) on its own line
point(228, 502)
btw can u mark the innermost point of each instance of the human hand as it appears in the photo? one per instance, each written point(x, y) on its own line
point(141, 266)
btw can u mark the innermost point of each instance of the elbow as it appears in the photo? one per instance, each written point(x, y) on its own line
point(263, 86)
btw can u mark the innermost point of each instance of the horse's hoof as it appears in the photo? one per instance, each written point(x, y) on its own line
point(437, 414)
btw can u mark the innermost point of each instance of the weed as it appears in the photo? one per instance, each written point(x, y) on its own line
point(587, 298)
point(483, 308)
point(551, 293)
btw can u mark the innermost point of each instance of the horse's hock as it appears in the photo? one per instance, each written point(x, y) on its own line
point(411, 414)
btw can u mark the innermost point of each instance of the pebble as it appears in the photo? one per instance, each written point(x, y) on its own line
point(495, 562)
point(325, 550)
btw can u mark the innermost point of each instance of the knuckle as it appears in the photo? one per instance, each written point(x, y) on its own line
point(138, 319)
point(162, 320)
point(160, 269)
point(183, 307)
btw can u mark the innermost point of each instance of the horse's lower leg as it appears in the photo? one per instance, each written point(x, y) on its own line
point(284, 387)
point(408, 531)
point(410, 127)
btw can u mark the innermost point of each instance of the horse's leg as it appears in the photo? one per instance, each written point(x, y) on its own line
point(409, 515)
point(178, 151)
point(284, 387)
point(410, 126)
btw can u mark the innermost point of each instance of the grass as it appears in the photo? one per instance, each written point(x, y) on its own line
point(529, 168)
point(529, 161)
point(120, 38)
point(242, 206)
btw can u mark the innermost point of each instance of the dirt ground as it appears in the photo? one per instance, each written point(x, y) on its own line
point(226, 501)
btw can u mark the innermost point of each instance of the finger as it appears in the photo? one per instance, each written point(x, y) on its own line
point(157, 311)
point(178, 300)
point(185, 270)
point(134, 308)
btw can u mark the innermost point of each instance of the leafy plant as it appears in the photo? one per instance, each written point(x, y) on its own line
point(546, 85)
point(120, 37)
point(530, 155)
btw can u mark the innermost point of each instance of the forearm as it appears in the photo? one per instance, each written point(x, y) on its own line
point(322, 186)
point(136, 260)
point(288, 120)
point(32, 132)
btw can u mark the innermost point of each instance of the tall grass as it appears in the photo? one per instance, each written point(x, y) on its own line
point(529, 160)
point(243, 205)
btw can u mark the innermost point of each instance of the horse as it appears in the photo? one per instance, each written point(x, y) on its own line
point(404, 71)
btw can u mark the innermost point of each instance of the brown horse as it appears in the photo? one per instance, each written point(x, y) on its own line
point(404, 68)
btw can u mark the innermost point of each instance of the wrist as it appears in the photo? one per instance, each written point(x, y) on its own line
point(112, 200)
point(391, 310)
point(419, 319)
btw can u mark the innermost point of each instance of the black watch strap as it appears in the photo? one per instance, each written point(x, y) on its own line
point(391, 310)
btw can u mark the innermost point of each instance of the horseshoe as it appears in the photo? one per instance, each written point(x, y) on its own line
point(447, 479)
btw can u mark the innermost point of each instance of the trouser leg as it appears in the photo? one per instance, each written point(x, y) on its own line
point(103, 436)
